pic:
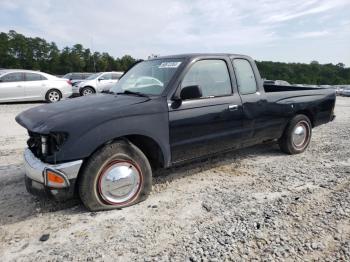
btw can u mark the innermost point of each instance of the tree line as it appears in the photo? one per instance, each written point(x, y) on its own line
point(19, 51)
point(313, 73)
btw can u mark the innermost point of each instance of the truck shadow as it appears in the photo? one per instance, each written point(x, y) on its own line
point(208, 163)
point(24, 103)
point(17, 205)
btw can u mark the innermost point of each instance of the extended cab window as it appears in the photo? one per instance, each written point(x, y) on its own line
point(12, 77)
point(245, 77)
point(211, 76)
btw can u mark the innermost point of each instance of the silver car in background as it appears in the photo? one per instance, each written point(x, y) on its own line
point(345, 91)
point(26, 85)
point(97, 83)
point(75, 78)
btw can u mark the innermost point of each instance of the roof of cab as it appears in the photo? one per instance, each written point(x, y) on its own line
point(194, 55)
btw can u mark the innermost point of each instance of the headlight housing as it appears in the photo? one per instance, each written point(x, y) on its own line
point(46, 145)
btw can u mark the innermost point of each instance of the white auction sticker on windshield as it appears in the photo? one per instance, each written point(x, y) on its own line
point(169, 65)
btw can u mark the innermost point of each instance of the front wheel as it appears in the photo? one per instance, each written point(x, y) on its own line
point(116, 176)
point(86, 91)
point(296, 136)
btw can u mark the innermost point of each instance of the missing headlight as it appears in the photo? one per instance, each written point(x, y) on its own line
point(57, 139)
point(44, 145)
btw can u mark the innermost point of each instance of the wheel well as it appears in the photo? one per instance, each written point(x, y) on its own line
point(147, 145)
point(308, 114)
point(150, 148)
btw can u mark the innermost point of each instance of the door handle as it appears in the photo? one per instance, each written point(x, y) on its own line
point(18, 86)
point(232, 107)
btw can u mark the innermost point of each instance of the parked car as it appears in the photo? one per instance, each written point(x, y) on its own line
point(76, 78)
point(196, 106)
point(338, 90)
point(276, 82)
point(97, 83)
point(345, 91)
point(26, 85)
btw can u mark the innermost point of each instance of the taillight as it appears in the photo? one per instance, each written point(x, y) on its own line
point(69, 82)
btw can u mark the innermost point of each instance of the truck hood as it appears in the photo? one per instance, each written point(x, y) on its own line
point(74, 113)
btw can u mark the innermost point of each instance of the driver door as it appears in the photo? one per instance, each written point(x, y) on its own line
point(211, 123)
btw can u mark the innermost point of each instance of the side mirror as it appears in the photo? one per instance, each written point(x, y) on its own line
point(101, 78)
point(191, 92)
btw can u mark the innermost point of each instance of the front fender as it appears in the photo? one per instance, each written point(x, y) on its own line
point(83, 145)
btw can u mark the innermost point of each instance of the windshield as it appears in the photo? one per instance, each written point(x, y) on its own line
point(93, 76)
point(2, 72)
point(67, 76)
point(148, 77)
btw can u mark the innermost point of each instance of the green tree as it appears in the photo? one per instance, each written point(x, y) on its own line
point(19, 51)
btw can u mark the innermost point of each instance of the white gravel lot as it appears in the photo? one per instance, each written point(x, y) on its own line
point(252, 204)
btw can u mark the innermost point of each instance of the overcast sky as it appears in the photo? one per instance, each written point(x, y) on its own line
point(288, 31)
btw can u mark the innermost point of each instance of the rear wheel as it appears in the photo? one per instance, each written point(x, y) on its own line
point(53, 96)
point(297, 135)
point(87, 91)
point(116, 176)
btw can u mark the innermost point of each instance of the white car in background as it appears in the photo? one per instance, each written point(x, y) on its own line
point(97, 83)
point(26, 85)
point(345, 91)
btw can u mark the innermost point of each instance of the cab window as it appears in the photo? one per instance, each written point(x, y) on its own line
point(211, 76)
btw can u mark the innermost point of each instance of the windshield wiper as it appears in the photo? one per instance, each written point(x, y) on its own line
point(128, 92)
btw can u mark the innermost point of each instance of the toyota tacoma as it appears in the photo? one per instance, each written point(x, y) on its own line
point(162, 112)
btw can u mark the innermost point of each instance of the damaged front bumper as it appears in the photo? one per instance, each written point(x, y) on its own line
point(44, 179)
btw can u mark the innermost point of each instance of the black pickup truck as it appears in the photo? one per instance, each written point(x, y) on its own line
point(162, 112)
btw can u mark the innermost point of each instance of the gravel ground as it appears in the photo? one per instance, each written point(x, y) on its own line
point(252, 204)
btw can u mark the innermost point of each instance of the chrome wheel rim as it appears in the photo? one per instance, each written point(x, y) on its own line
point(54, 96)
point(119, 182)
point(87, 91)
point(301, 134)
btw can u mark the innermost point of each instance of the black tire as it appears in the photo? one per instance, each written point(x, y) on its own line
point(87, 91)
point(288, 140)
point(53, 96)
point(89, 182)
